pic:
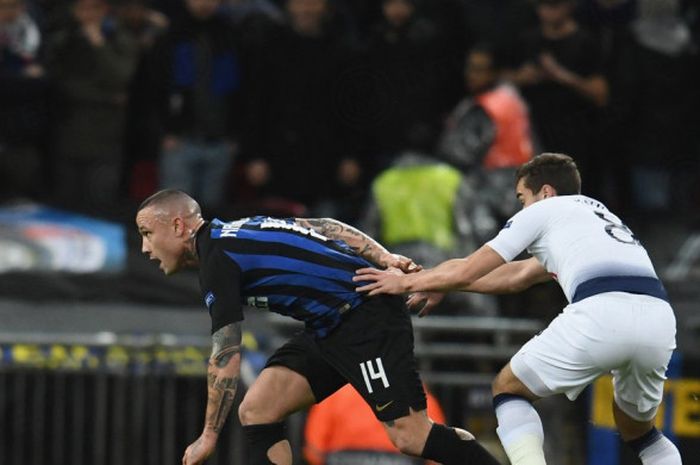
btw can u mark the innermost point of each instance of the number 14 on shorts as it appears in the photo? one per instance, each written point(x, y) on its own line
point(370, 372)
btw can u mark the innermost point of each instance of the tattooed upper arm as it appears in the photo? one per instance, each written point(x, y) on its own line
point(226, 342)
point(330, 229)
point(361, 243)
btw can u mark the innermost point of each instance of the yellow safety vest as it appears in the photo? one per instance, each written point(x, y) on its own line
point(416, 203)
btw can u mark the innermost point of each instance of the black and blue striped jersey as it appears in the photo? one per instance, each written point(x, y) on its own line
point(277, 265)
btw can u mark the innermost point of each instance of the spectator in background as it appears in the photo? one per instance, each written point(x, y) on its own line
point(455, 35)
point(400, 52)
point(656, 93)
point(196, 84)
point(560, 72)
point(142, 140)
point(241, 10)
point(19, 40)
point(501, 22)
point(50, 15)
point(691, 14)
point(91, 60)
point(22, 101)
point(144, 24)
point(607, 19)
point(488, 134)
point(254, 20)
point(297, 147)
point(394, 98)
point(332, 437)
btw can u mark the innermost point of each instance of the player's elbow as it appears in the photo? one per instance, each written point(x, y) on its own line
point(527, 279)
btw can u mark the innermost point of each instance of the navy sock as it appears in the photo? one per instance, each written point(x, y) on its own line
point(498, 399)
point(639, 444)
point(261, 438)
point(445, 446)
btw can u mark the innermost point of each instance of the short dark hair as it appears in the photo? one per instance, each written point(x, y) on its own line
point(165, 196)
point(556, 169)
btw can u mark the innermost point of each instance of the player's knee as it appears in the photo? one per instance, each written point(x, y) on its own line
point(629, 427)
point(630, 432)
point(507, 383)
point(244, 413)
point(251, 413)
point(499, 384)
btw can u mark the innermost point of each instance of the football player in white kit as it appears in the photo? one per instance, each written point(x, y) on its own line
point(618, 320)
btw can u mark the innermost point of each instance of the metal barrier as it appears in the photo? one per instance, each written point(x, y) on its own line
point(680, 267)
point(105, 400)
point(468, 350)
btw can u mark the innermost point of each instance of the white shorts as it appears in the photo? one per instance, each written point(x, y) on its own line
point(631, 336)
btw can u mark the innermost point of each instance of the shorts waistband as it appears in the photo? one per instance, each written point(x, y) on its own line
point(632, 284)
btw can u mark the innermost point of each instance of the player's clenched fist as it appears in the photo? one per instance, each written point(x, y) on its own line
point(200, 450)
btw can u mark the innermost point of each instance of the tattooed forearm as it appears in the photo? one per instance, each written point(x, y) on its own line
point(222, 376)
point(328, 228)
point(225, 338)
point(360, 242)
point(221, 395)
point(222, 358)
point(226, 342)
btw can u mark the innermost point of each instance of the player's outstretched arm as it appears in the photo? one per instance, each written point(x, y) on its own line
point(360, 242)
point(484, 271)
point(508, 278)
point(451, 275)
point(222, 379)
point(512, 277)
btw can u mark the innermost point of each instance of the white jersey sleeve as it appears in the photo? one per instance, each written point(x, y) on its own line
point(523, 229)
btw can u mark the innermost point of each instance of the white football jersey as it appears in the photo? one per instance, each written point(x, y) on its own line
point(576, 238)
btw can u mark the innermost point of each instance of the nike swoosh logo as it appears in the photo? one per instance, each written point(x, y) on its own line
point(382, 407)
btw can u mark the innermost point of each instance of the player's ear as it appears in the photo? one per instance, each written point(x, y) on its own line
point(178, 226)
point(548, 191)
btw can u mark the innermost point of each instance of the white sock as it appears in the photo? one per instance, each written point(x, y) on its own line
point(520, 430)
point(660, 452)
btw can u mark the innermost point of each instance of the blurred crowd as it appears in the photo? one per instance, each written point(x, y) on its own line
point(349, 108)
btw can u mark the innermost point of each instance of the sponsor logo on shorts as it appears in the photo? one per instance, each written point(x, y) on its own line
point(379, 408)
